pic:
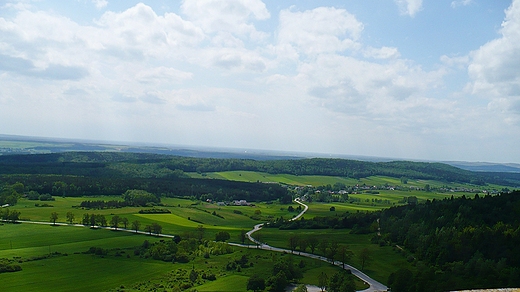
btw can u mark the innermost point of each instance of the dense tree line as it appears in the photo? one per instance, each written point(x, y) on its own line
point(10, 193)
point(221, 190)
point(359, 222)
point(140, 165)
point(458, 243)
point(101, 204)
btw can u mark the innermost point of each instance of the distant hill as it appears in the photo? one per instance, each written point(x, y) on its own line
point(486, 166)
point(103, 164)
point(202, 159)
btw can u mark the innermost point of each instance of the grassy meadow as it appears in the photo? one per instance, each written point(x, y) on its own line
point(68, 268)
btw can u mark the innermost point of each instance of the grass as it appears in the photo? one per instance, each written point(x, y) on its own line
point(385, 259)
point(78, 272)
point(73, 270)
point(253, 176)
point(26, 240)
point(230, 283)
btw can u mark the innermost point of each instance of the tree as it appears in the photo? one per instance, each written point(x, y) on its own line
point(365, 257)
point(101, 219)
point(222, 236)
point(333, 249)
point(200, 232)
point(401, 280)
point(242, 236)
point(140, 198)
point(70, 217)
point(156, 228)
point(13, 216)
point(54, 217)
point(114, 222)
point(278, 282)
point(303, 244)
point(344, 254)
point(301, 288)
point(92, 220)
point(124, 220)
point(341, 282)
point(135, 225)
point(148, 228)
point(412, 200)
point(323, 281)
point(86, 219)
point(323, 246)
point(256, 283)
point(293, 242)
point(193, 275)
point(313, 243)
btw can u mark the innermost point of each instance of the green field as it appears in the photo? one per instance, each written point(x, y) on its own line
point(72, 269)
point(69, 269)
point(252, 176)
point(320, 180)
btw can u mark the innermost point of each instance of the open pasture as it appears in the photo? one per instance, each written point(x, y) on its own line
point(73, 271)
point(319, 180)
point(26, 239)
point(289, 179)
point(78, 272)
point(185, 217)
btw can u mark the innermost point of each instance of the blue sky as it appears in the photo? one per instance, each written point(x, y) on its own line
point(410, 79)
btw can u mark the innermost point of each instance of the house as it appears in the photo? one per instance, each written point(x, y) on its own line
point(240, 203)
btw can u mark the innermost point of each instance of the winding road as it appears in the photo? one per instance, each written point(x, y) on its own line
point(374, 285)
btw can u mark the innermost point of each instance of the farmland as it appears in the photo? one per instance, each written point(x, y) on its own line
point(83, 190)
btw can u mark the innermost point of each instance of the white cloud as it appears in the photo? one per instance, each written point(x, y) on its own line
point(458, 61)
point(381, 53)
point(234, 16)
point(493, 68)
point(163, 74)
point(140, 28)
point(409, 7)
point(355, 87)
point(321, 30)
point(100, 3)
point(458, 3)
point(225, 71)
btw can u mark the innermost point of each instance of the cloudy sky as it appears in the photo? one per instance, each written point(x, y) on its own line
point(413, 79)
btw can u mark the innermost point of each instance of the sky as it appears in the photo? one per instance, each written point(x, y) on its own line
point(407, 79)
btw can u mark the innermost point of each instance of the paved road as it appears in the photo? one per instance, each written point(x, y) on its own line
point(97, 227)
point(374, 285)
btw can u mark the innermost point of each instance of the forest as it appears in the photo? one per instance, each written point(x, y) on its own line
point(458, 242)
point(452, 244)
point(143, 165)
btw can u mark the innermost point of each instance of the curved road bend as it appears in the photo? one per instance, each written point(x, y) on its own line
point(374, 285)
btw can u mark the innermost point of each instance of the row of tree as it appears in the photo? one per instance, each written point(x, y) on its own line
point(11, 216)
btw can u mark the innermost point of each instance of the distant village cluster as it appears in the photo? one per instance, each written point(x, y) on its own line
point(232, 203)
point(8, 151)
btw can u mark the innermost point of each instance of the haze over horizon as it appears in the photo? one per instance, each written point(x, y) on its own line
point(413, 79)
